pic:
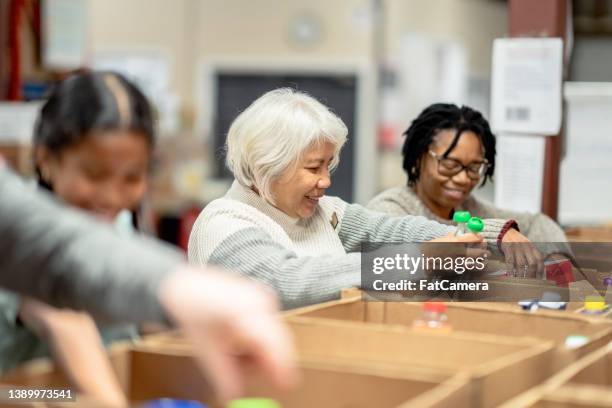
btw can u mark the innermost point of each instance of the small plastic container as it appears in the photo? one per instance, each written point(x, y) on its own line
point(253, 403)
point(434, 318)
point(461, 218)
point(574, 341)
point(594, 305)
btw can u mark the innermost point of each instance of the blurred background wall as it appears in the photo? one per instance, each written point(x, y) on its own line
point(378, 63)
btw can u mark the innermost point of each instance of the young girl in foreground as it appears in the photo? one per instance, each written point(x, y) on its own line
point(92, 149)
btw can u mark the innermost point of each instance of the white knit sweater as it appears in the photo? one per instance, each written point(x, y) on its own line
point(306, 260)
point(241, 208)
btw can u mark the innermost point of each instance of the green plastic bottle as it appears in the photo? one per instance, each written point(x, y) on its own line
point(461, 218)
point(253, 403)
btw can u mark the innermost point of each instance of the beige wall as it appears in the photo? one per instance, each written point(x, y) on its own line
point(191, 31)
point(197, 33)
point(258, 27)
point(157, 25)
point(472, 23)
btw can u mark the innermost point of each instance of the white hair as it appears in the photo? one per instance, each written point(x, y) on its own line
point(271, 135)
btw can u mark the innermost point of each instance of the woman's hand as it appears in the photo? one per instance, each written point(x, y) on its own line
point(234, 326)
point(465, 238)
point(464, 246)
point(468, 245)
point(522, 257)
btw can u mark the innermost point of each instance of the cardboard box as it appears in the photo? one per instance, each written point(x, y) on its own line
point(500, 289)
point(589, 234)
point(577, 290)
point(594, 260)
point(144, 374)
point(149, 371)
point(585, 383)
point(488, 318)
point(490, 361)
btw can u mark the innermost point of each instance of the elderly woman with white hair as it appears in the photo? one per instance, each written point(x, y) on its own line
point(276, 225)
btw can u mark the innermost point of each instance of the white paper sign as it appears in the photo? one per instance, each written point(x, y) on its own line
point(519, 172)
point(585, 179)
point(17, 121)
point(64, 33)
point(526, 85)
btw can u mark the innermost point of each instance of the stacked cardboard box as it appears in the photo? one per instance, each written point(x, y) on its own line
point(356, 353)
point(585, 383)
point(163, 368)
point(601, 233)
point(483, 317)
point(488, 360)
point(484, 320)
point(497, 368)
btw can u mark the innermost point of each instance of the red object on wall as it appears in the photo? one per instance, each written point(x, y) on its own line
point(187, 220)
point(14, 87)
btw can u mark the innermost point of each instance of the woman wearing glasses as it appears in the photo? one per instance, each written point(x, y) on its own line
point(277, 225)
point(449, 150)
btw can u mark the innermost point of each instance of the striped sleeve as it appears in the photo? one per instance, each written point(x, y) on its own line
point(298, 280)
point(360, 225)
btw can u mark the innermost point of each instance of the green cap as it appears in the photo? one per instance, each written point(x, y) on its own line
point(475, 225)
point(461, 216)
point(253, 403)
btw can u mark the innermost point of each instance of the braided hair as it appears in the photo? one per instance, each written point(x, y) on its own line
point(445, 116)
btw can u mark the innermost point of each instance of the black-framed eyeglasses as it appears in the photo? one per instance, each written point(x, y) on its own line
point(449, 167)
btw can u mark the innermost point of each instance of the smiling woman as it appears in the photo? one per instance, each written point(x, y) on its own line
point(447, 152)
point(276, 225)
point(298, 193)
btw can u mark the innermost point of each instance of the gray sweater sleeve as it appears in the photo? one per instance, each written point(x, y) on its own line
point(400, 201)
point(537, 227)
point(360, 225)
point(65, 258)
point(298, 280)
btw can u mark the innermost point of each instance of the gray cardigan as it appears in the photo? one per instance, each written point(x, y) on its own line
point(64, 257)
point(401, 201)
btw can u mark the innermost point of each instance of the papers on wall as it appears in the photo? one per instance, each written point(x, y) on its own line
point(17, 121)
point(64, 25)
point(585, 190)
point(150, 71)
point(526, 85)
point(519, 171)
point(430, 70)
